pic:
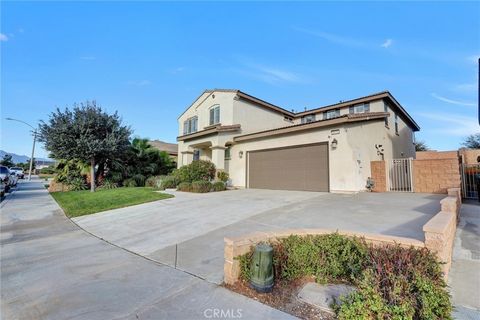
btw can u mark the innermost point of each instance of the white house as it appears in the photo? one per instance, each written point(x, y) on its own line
point(265, 146)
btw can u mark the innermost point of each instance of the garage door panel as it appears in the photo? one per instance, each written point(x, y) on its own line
point(292, 168)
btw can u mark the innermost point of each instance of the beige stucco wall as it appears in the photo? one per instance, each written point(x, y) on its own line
point(254, 118)
point(201, 108)
point(349, 163)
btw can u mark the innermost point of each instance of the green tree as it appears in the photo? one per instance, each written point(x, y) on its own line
point(7, 161)
point(146, 160)
point(86, 133)
point(472, 141)
point(421, 146)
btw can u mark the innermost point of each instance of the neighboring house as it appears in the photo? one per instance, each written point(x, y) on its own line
point(265, 146)
point(170, 148)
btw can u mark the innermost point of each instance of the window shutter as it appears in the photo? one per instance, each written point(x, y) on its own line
point(366, 107)
point(351, 110)
point(325, 116)
point(337, 112)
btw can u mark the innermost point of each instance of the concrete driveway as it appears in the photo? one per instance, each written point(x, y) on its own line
point(51, 269)
point(188, 230)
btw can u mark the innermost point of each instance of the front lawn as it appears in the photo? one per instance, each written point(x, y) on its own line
point(79, 203)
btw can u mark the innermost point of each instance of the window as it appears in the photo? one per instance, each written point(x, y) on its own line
point(196, 155)
point(330, 114)
point(396, 123)
point(190, 125)
point(385, 108)
point(308, 119)
point(214, 115)
point(227, 154)
point(359, 108)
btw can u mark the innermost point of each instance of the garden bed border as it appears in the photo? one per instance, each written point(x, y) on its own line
point(439, 236)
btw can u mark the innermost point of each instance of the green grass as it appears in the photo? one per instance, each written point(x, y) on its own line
point(79, 203)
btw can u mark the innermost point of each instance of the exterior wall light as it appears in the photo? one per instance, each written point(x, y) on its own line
point(240, 154)
point(334, 143)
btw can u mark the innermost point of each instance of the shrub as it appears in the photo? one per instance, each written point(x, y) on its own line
point(169, 182)
point(329, 257)
point(108, 184)
point(76, 184)
point(139, 179)
point(47, 170)
point(130, 183)
point(184, 186)
point(392, 282)
point(154, 182)
point(201, 186)
point(196, 171)
point(222, 176)
point(219, 186)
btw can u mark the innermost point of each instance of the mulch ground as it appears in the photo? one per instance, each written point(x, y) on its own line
point(283, 297)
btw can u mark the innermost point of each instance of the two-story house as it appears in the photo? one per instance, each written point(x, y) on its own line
point(262, 145)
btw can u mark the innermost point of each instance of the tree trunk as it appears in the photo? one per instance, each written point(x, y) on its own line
point(92, 175)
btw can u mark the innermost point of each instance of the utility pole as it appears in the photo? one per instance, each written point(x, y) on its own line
point(33, 148)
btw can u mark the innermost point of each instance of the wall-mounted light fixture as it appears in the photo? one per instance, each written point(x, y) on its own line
point(240, 154)
point(334, 143)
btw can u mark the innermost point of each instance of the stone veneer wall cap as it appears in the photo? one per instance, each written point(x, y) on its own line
point(439, 223)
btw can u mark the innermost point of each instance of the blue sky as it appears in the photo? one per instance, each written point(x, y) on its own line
point(150, 60)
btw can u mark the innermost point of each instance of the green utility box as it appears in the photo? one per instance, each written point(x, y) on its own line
point(262, 268)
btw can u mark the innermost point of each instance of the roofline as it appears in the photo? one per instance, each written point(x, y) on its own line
point(348, 118)
point(368, 98)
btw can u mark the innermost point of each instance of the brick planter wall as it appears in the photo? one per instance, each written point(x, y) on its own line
point(435, 175)
point(429, 175)
point(439, 236)
point(379, 175)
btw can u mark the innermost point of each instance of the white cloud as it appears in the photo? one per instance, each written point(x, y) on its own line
point(3, 37)
point(387, 43)
point(453, 124)
point(88, 58)
point(140, 83)
point(278, 74)
point(465, 87)
point(451, 101)
point(334, 38)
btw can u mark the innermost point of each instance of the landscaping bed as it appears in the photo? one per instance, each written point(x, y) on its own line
point(79, 203)
point(392, 282)
point(283, 297)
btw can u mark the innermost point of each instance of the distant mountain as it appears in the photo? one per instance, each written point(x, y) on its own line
point(16, 158)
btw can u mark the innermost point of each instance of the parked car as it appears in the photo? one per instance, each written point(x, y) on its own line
point(4, 179)
point(18, 171)
point(13, 178)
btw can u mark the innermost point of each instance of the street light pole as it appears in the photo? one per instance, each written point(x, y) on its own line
point(33, 148)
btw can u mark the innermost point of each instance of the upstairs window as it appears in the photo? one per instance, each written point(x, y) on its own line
point(214, 115)
point(190, 125)
point(385, 108)
point(396, 123)
point(308, 119)
point(330, 114)
point(359, 108)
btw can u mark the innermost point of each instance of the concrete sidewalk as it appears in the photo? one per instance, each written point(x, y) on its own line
point(51, 269)
point(464, 276)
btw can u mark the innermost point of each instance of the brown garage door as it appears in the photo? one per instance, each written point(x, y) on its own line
point(303, 167)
